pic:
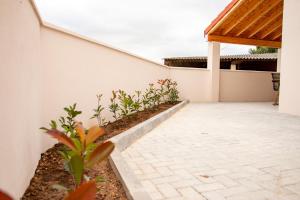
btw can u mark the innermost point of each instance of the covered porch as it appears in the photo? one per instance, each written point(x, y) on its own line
point(246, 22)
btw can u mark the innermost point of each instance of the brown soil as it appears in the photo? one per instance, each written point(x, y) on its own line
point(50, 169)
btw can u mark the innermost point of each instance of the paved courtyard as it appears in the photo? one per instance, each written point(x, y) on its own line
point(232, 151)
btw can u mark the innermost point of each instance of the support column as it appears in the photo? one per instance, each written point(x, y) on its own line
point(213, 64)
point(233, 66)
point(278, 60)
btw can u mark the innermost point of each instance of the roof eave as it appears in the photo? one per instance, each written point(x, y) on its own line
point(227, 9)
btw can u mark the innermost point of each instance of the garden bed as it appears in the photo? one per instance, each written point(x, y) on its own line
point(51, 171)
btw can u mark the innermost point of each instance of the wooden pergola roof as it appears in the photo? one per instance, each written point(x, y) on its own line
point(250, 22)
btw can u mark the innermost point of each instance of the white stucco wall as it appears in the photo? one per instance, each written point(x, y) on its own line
point(193, 84)
point(75, 70)
point(246, 86)
point(20, 92)
point(41, 71)
point(289, 101)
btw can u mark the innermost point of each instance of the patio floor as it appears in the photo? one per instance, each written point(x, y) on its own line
point(232, 151)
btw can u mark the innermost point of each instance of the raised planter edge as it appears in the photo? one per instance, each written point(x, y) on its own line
point(132, 186)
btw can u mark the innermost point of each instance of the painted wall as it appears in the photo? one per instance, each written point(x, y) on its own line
point(289, 101)
point(245, 86)
point(75, 70)
point(41, 71)
point(193, 84)
point(20, 92)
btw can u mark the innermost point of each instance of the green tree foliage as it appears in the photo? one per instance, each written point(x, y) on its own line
point(261, 50)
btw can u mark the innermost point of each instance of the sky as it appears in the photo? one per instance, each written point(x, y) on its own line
point(153, 29)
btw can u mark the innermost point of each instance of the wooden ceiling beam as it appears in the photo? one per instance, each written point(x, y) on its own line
point(264, 24)
point(227, 15)
point(245, 41)
point(246, 14)
point(262, 12)
point(277, 34)
point(270, 29)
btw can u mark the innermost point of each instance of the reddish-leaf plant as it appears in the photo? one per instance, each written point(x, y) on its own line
point(4, 196)
point(86, 191)
point(82, 152)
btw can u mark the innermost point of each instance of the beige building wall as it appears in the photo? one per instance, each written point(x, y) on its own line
point(289, 100)
point(20, 92)
point(44, 69)
point(246, 86)
point(193, 84)
point(75, 70)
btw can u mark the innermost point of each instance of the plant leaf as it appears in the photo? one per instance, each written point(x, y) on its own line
point(99, 179)
point(89, 149)
point(59, 187)
point(100, 153)
point(64, 155)
point(61, 137)
point(67, 167)
point(93, 134)
point(77, 143)
point(80, 132)
point(44, 129)
point(4, 196)
point(76, 167)
point(86, 191)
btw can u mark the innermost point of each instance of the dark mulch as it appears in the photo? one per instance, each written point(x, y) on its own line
point(50, 169)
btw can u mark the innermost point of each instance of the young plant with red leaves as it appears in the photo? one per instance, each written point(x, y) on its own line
point(5, 196)
point(82, 152)
point(85, 191)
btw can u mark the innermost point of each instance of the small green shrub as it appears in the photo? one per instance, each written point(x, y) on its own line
point(66, 122)
point(98, 112)
point(114, 106)
point(126, 103)
point(137, 104)
point(146, 99)
point(162, 89)
point(172, 92)
point(152, 97)
point(123, 104)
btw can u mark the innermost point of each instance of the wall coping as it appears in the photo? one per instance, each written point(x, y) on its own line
point(82, 37)
point(189, 68)
point(243, 71)
point(133, 187)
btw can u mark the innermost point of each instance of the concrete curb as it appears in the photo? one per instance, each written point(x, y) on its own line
point(133, 187)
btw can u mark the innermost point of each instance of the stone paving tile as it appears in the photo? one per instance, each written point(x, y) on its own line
point(226, 181)
point(209, 187)
point(168, 191)
point(231, 151)
point(190, 194)
point(156, 195)
point(294, 188)
point(213, 196)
